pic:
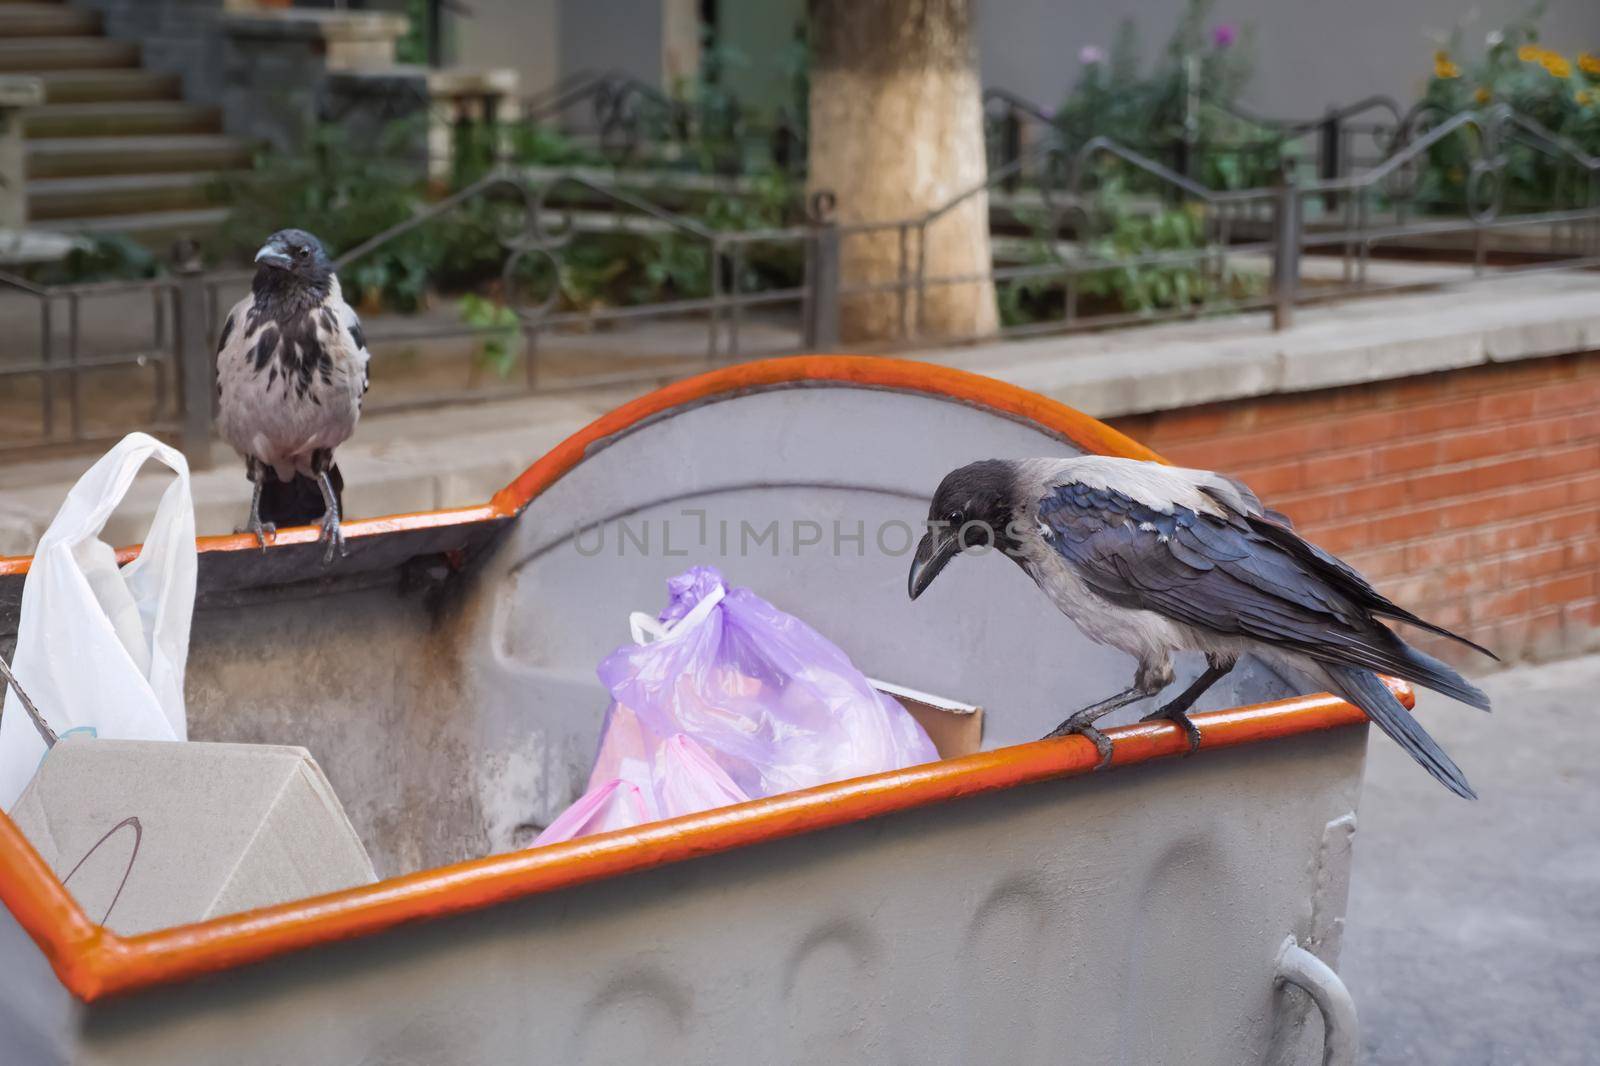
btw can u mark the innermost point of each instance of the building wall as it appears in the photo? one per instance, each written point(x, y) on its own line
point(523, 35)
point(1308, 54)
point(1472, 496)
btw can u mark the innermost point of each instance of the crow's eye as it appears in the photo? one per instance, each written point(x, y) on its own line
point(299, 253)
point(956, 519)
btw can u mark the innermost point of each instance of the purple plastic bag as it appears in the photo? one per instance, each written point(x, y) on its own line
point(773, 703)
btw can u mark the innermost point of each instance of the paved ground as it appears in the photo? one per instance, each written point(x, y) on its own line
point(1474, 928)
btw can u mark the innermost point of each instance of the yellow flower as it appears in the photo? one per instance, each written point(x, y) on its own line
point(1483, 95)
point(1530, 53)
point(1589, 63)
point(1443, 68)
point(1556, 65)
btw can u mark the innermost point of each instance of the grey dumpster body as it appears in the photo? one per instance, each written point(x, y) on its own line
point(1008, 907)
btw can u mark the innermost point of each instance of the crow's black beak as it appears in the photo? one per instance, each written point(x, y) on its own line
point(936, 549)
point(273, 255)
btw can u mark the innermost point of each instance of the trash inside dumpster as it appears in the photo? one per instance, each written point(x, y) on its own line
point(442, 678)
point(210, 829)
point(724, 698)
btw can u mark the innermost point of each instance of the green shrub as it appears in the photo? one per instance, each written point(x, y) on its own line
point(1119, 231)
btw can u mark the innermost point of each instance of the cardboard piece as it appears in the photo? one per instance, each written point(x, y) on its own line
point(151, 834)
point(955, 728)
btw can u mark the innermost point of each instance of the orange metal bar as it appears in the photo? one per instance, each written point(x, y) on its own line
point(93, 962)
point(354, 529)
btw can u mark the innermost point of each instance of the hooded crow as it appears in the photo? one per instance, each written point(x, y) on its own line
point(1153, 559)
point(291, 374)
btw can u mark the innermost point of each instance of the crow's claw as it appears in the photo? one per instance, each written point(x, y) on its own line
point(1179, 719)
point(261, 530)
point(333, 537)
point(1074, 726)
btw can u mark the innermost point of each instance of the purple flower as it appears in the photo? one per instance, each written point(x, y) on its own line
point(1091, 54)
point(1224, 35)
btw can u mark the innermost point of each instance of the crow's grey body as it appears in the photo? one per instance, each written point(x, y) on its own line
point(1154, 560)
point(291, 373)
point(290, 384)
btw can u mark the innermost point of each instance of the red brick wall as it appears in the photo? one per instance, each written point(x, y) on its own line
point(1469, 496)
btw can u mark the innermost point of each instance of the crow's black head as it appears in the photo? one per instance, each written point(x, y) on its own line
point(292, 261)
point(972, 508)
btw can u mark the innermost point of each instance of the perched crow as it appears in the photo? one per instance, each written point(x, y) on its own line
point(1152, 559)
point(291, 372)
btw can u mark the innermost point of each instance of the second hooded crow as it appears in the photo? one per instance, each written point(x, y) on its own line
point(1153, 560)
point(291, 375)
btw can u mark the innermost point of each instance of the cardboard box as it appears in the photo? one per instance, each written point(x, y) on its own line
point(151, 834)
point(955, 728)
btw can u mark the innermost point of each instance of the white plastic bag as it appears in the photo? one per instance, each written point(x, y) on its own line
point(98, 647)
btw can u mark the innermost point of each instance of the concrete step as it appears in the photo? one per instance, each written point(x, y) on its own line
point(118, 194)
point(46, 20)
point(108, 84)
point(114, 118)
point(156, 230)
point(32, 55)
point(66, 157)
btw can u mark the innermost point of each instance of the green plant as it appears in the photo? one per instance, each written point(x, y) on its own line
point(1121, 233)
point(414, 46)
point(347, 197)
point(500, 345)
point(532, 144)
point(98, 257)
point(1189, 96)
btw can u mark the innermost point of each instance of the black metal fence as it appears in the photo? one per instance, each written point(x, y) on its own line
point(71, 377)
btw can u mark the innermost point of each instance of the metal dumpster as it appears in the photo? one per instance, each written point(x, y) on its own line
point(1009, 906)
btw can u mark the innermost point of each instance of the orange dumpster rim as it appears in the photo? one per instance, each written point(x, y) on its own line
point(93, 962)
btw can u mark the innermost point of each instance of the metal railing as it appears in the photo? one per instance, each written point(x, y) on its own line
point(1274, 248)
point(1343, 140)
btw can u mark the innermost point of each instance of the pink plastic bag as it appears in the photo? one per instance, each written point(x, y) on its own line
point(731, 700)
point(678, 778)
point(615, 805)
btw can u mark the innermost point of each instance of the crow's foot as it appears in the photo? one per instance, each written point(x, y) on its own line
point(1179, 719)
point(261, 530)
point(1084, 727)
point(333, 536)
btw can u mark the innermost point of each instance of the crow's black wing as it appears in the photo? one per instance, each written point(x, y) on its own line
point(1222, 574)
point(1337, 570)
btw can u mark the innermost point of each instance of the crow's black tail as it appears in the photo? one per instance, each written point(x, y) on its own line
point(1425, 670)
point(297, 502)
point(1365, 690)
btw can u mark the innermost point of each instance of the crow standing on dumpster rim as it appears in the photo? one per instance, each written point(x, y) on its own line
point(1153, 559)
point(291, 372)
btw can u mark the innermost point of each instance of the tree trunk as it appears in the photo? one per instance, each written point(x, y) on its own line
point(896, 131)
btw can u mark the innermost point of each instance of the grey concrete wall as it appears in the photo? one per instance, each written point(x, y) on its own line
point(524, 35)
point(1309, 54)
point(625, 35)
